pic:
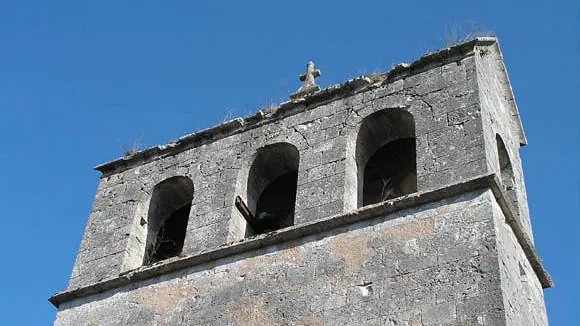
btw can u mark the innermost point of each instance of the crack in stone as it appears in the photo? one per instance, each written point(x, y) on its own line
point(428, 106)
point(301, 134)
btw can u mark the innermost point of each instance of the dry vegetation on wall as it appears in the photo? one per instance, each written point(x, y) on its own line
point(458, 33)
point(131, 150)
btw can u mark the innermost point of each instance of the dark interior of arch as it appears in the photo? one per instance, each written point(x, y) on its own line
point(390, 172)
point(167, 219)
point(507, 173)
point(275, 207)
point(272, 187)
point(386, 156)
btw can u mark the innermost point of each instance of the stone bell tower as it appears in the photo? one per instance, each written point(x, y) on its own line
point(391, 199)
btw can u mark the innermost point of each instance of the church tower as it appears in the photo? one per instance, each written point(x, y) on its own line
point(391, 199)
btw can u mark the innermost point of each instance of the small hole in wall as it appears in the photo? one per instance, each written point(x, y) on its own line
point(522, 270)
point(366, 289)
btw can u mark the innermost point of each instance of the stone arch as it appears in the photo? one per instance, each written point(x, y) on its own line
point(506, 174)
point(167, 218)
point(271, 186)
point(385, 156)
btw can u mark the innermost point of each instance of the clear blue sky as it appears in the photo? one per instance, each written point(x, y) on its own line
point(80, 80)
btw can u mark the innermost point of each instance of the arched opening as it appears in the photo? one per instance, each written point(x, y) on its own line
point(506, 174)
point(167, 219)
point(386, 156)
point(271, 190)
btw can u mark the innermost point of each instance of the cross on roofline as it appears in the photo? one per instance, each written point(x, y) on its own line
point(309, 85)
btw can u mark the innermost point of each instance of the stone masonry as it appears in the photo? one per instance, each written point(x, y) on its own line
point(457, 251)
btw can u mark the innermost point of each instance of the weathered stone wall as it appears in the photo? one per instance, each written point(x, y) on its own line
point(430, 265)
point(441, 96)
point(451, 261)
point(500, 117)
point(522, 292)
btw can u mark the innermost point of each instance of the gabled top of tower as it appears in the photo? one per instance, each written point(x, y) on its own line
point(310, 95)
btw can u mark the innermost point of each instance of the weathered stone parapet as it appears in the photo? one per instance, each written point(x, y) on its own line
point(292, 107)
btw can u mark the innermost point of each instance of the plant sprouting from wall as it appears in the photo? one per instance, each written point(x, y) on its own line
point(458, 33)
point(131, 150)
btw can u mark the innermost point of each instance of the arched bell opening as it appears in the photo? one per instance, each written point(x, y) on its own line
point(386, 156)
point(506, 174)
point(167, 219)
point(271, 190)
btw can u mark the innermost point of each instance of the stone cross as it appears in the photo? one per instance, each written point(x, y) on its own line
point(309, 85)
